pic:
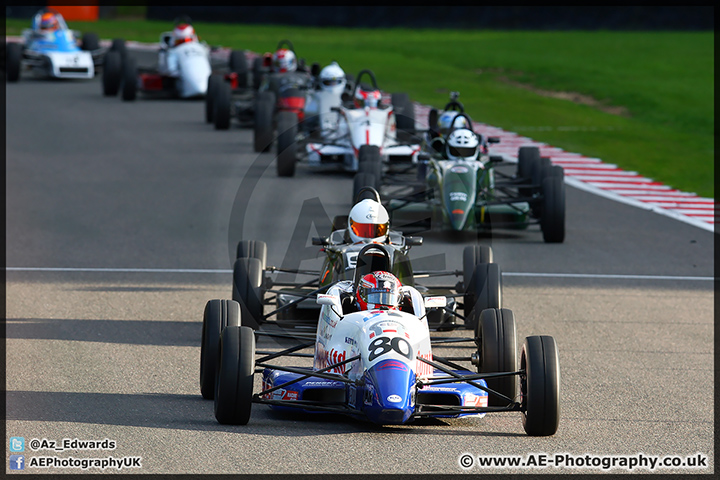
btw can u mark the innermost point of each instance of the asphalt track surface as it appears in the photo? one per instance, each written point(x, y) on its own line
point(96, 183)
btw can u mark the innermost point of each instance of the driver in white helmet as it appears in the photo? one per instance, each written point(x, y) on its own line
point(284, 61)
point(368, 222)
point(167, 56)
point(464, 144)
point(332, 79)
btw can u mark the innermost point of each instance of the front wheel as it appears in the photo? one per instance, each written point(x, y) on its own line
point(218, 315)
point(213, 83)
point(129, 88)
point(263, 129)
point(221, 106)
point(540, 386)
point(286, 147)
point(248, 291)
point(235, 376)
point(483, 291)
point(112, 73)
point(13, 61)
point(90, 41)
point(496, 338)
point(552, 219)
point(252, 249)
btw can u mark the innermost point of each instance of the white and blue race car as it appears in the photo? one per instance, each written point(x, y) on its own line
point(378, 364)
point(51, 49)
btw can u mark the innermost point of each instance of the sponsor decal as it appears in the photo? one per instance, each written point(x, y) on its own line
point(283, 394)
point(458, 196)
point(350, 341)
point(394, 398)
point(472, 400)
point(393, 365)
point(459, 169)
point(331, 357)
point(422, 368)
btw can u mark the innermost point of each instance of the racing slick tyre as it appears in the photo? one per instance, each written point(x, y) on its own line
point(218, 315)
point(263, 130)
point(360, 181)
point(484, 291)
point(540, 385)
point(13, 61)
point(257, 72)
point(528, 157)
point(474, 255)
point(129, 79)
point(369, 161)
point(90, 41)
point(221, 106)
point(235, 376)
point(214, 81)
point(538, 173)
point(404, 116)
point(248, 291)
point(433, 119)
point(339, 222)
point(238, 64)
point(287, 126)
point(111, 73)
point(496, 338)
point(552, 219)
point(118, 45)
point(253, 249)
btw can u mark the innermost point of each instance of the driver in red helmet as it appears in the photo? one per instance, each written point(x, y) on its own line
point(379, 291)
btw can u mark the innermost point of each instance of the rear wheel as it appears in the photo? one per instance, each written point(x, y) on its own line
point(214, 81)
point(90, 41)
point(552, 219)
point(257, 72)
point(528, 157)
point(239, 65)
point(484, 291)
point(287, 126)
point(218, 315)
point(474, 255)
point(112, 73)
point(13, 61)
point(369, 161)
point(538, 173)
point(118, 45)
point(253, 249)
point(540, 386)
point(221, 106)
point(129, 88)
point(235, 376)
point(360, 181)
point(248, 291)
point(404, 116)
point(263, 130)
point(496, 338)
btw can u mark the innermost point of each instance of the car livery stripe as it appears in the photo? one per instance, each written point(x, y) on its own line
point(603, 179)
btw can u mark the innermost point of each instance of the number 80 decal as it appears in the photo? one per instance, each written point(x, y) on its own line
point(382, 345)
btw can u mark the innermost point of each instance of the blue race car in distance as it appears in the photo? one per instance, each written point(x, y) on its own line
point(51, 49)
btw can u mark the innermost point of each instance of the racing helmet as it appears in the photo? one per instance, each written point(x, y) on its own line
point(462, 144)
point(332, 79)
point(183, 32)
point(366, 97)
point(283, 61)
point(49, 22)
point(446, 122)
point(368, 222)
point(379, 290)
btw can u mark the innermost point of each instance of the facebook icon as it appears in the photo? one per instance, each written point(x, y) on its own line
point(17, 462)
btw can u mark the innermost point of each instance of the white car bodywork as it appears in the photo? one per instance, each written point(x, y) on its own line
point(56, 64)
point(189, 63)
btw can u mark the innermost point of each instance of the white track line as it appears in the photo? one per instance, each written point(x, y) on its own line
point(225, 271)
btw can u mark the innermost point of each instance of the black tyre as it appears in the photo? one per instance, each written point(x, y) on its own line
point(362, 180)
point(496, 338)
point(247, 290)
point(235, 376)
point(112, 73)
point(214, 81)
point(218, 315)
point(221, 107)
point(238, 64)
point(257, 72)
point(433, 119)
point(404, 116)
point(118, 45)
point(253, 249)
point(90, 41)
point(369, 161)
point(537, 175)
point(129, 80)
point(540, 386)
point(263, 129)
point(13, 61)
point(339, 222)
point(528, 158)
point(474, 255)
point(552, 219)
point(287, 126)
point(484, 291)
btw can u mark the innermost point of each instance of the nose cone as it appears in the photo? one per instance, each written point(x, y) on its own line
point(393, 402)
point(195, 79)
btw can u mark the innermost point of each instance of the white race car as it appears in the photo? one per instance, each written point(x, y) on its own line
point(361, 134)
point(51, 49)
point(182, 70)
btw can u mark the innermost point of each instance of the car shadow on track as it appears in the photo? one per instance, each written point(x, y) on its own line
point(192, 412)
